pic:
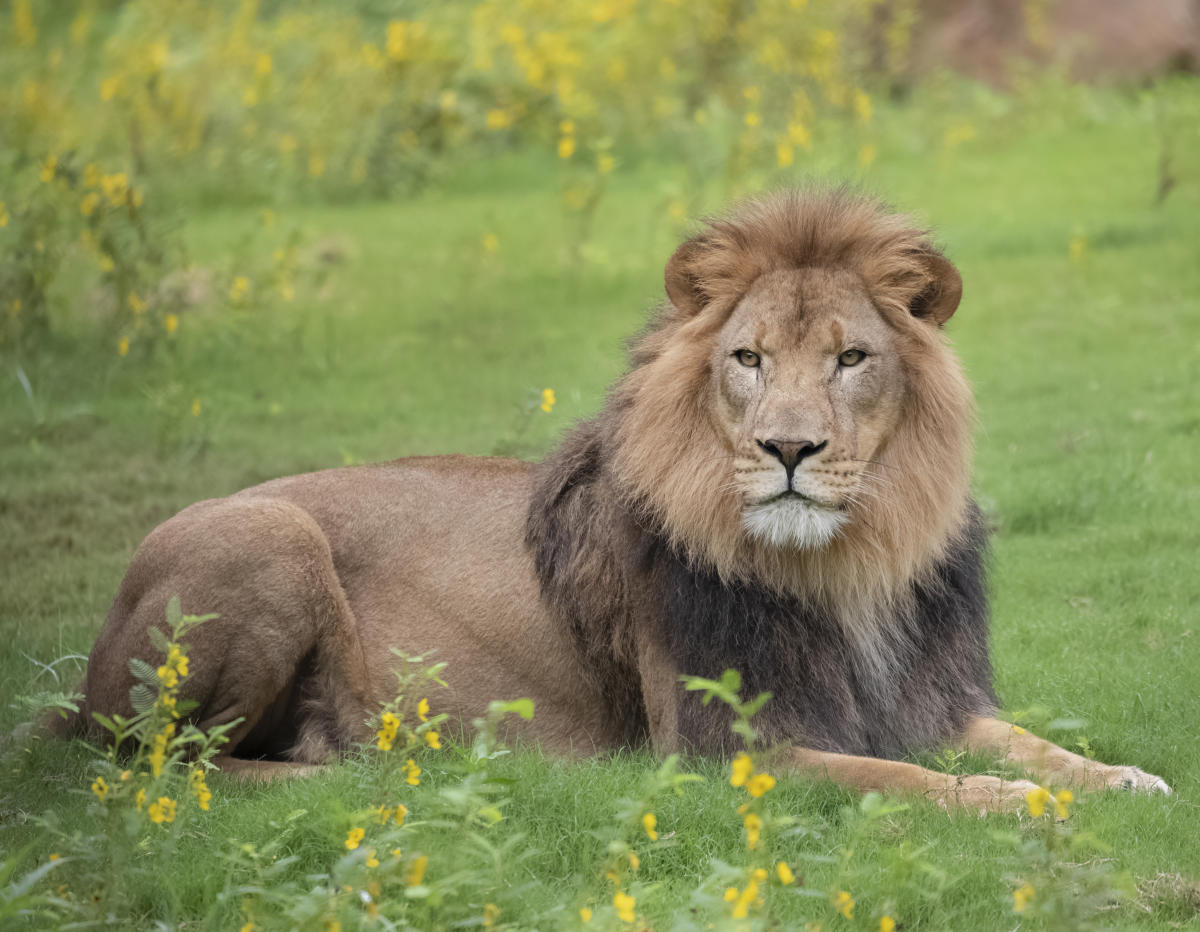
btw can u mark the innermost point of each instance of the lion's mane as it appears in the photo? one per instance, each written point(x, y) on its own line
point(872, 644)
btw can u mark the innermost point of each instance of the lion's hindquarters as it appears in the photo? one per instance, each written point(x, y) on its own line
point(283, 655)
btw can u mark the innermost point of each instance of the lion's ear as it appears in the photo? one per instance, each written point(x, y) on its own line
point(683, 283)
point(938, 300)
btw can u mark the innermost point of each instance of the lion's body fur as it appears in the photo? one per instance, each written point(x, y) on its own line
point(592, 581)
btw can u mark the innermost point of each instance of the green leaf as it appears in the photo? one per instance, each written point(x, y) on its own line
point(143, 672)
point(521, 707)
point(174, 612)
point(158, 640)
point(142, 697)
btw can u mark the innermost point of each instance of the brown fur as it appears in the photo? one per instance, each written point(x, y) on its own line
point(316, 577)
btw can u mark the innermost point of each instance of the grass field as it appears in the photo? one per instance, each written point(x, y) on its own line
point(1080, 330)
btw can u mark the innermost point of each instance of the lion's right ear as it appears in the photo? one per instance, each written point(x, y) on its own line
point(938, 299)
point(683, 282)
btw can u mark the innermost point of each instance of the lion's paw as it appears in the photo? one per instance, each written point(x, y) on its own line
point(1135, 780)
point(985, 794)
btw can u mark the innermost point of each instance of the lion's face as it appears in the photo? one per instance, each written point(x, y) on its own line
point(808, 384)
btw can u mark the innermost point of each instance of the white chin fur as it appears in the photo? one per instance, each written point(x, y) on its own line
point(793, 522)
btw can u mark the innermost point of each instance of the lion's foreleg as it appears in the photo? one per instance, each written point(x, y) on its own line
point(865, 774)
point(1051, 763)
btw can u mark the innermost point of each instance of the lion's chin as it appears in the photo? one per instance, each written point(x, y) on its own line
point(793, 523)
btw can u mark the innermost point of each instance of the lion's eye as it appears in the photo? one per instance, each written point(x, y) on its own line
point(747, 358)
point(851, 357)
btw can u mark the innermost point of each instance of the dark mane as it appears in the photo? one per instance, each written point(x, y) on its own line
point(603, 573)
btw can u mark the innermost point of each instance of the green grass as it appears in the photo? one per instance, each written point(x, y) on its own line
point(1086, 373)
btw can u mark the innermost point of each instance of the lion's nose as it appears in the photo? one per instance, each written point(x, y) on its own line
point(791, 452)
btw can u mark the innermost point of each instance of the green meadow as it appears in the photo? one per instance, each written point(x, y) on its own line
point(431, 323)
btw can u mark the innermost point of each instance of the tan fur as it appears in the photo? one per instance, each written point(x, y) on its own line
point(317, 577)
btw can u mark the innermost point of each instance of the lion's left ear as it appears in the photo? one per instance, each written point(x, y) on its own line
point(683, 282)
point(938, 299)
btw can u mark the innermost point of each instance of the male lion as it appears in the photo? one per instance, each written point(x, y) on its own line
point(779, 484)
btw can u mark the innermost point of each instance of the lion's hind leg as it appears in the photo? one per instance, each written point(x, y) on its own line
point(283, 655)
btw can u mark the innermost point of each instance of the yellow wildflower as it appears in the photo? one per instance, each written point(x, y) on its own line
point(605, 163)
point(731, 894)
point(248, 927)
point(140, 799)
point(862, 106)
point(743, 767)
point(423, 710)
point(1017, 729)
point(548, 400)
point(90, 202)
point(114, 187)
point(490, 913)
point(634, 861)
point(412, 773)
point(263, 64)
point(55, 857)
point(100, 788)
point(650, 824)
point(759, 784)
point(126, 775)
point(785, 873)
point(742, 905)
point(1061, 803)
point(195, 407)
point(785, 155)
point(389, 725)
point(171, 323)
point(137, 305)
point(753, 119)
point(491, 243)
point(753, 830)
point(499, 119)
point(434, 740)
point(844, 904)
point(372, 861)
point(624, 904)
point(109, 87)
point(162, 811)
point(239, 289)
point(1036, 800)
point(354, 838)
point(199, 787)
point(158, 755)
point(416, 871)
point(49, 168)
point(159, 51)
point(1021, 897)
point(3, 215)
point(887, 924)
point(566, 147)
point(585, 914)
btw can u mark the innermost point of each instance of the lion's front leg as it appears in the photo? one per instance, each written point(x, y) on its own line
point(979, 793)
point(1053, 764)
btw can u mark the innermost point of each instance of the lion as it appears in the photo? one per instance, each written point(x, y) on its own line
point(778, 484)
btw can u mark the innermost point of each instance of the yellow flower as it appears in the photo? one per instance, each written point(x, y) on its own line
point(401, 812)
point(491, 243)
point(743, 767)
point(100, 788)
point(1036, 800)
point(605, 163)
point(566, 147)
point(634, 861)
point(109, 87)
point(862, 107)
point(1061, 802)
point(433, 740)
point(742, 905)
point(55, 857)
point(248, 927)
point(866, 155)
point(731, 894)
point(400, 34)
point(49, 168)
point(90, 202)
point(158, 755)
point(114, 187)
point(499, 119)
point(171, 322)
point(887, 924)
point(140, 799)
point(416, 871)
point(548, 400)
point(354, 838)
point(785, 873)
point(372, 861)
point(1021, 897)
point(650, 824)
point(585, 914)
point(137, 305)
point(3, 215)
point(239, 289)
point(844, 904)
point(412, 773)
point(195, 407)
point(159, 50)
point(753, 830)
point(423, 710)
point(1017, 729)
point(199, 787)
point(1077, 248)
point(753, 119)
point(624, 904)
point(162, 811)
point(263, 64)
point(759, 784)
point(785, 155)
point(389, 724)
point(126, 775)
point(490, 912)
